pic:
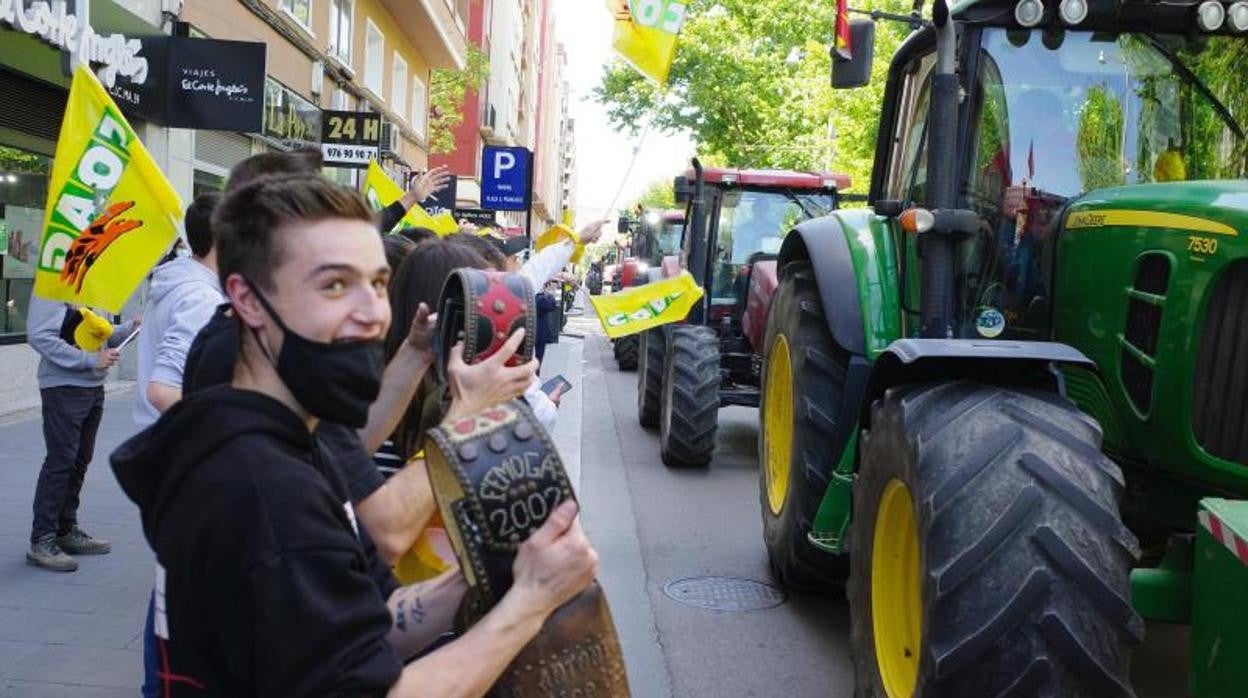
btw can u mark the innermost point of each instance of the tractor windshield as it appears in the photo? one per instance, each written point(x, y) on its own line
point(1070, 113)
point(754, 221)
point(1059, 114)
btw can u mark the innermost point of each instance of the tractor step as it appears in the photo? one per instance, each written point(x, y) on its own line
point(740, 396)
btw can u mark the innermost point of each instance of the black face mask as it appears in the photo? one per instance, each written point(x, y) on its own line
point(336, 382)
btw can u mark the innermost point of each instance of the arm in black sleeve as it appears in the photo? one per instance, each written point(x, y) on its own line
point(390, 216)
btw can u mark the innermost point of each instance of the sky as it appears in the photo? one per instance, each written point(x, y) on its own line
point(584, 27)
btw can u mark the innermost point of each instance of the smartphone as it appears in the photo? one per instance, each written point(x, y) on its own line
point(558, 384)
point(130, 337)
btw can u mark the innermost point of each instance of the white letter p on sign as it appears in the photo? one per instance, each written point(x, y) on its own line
point(503, 161)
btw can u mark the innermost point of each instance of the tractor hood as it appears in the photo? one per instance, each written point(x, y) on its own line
point(1150, 282)
point(1207, 208)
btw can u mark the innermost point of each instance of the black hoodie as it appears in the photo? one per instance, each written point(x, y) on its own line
point(264, 586)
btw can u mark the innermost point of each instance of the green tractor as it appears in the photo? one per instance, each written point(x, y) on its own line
point(1009, 401)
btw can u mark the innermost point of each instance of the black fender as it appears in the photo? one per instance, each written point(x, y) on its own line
point(821, 241)
point(992, 361)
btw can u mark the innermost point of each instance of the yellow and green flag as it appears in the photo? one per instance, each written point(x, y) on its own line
point(644, 307)
point(111, 214)
point(380, 191)
point(645, 34)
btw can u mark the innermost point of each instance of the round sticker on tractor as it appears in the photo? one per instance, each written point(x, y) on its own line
point(990, 323)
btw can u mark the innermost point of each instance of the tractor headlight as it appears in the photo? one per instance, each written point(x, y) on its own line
point(1237, 16)
point(1210, 15)
point(1029, 13)
point(1073, 11)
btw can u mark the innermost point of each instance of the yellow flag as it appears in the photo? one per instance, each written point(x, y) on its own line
point(644, 307)
point(558, 233)
point(111, 214)
point(445, 224)
point(380, 191)
point(645, 34)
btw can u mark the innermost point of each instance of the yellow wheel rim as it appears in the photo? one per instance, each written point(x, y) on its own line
point(778, 423)
point(896, 591)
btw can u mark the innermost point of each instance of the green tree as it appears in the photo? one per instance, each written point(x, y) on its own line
point(751, 83)
point(447, 89)
point(659, 195)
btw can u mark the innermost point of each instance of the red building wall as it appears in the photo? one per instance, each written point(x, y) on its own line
point(465, 160)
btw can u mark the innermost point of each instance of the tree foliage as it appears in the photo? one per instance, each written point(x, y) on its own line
point(447, 89)
point(659, 195)
point(751, 83)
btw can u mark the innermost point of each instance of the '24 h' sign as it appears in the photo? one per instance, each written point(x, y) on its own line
point(350, 138)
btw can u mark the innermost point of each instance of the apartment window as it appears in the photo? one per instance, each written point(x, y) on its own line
point(341, 29)
point(374, 58)
point(301, 10)
point(398, 87)
point(420, 106)
point(340, 100)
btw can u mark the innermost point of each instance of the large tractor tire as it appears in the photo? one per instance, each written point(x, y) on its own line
point(650, 376)
point(989, 558)
point(799, 439)
point(689, 402)
point(626, 352)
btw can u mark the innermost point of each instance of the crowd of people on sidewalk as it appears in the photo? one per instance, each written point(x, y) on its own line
point(284, 390)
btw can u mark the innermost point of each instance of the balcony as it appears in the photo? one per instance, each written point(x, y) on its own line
point(431, 25)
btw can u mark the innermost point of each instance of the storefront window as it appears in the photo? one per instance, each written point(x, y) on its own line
point(23, 193)
point(207, 181)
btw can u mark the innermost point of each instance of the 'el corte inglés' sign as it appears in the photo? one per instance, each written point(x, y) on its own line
point(114, 54)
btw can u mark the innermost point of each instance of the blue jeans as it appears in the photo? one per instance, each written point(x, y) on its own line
point(151, 684)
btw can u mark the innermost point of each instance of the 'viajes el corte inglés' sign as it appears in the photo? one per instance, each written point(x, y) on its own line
point(115, 54)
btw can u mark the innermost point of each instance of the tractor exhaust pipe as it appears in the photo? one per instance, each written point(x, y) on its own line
point(937, 247)
point(699, 260)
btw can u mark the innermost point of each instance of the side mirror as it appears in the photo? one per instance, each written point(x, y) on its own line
point(683, 189)
point(623, 226)
point(855, 72)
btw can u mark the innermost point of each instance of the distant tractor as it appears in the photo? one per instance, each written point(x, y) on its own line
point(655, 235)
point(736, 222)
point(1010, 399)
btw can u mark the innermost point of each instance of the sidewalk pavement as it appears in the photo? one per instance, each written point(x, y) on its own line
point(72, 633)
point(79, 633)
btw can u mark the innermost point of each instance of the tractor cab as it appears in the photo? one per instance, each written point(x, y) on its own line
point(1055, 111)
point(658, 236)
point(747, 214)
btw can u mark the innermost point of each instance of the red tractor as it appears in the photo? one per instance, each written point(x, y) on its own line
point(654, 236)
point(736, 221)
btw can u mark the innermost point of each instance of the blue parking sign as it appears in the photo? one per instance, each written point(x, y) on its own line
point(506, 181)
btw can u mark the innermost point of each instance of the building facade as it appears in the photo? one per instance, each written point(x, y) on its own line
point(356, 55)
point(523, 103)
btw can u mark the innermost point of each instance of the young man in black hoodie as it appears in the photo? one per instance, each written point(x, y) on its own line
point(263, 584)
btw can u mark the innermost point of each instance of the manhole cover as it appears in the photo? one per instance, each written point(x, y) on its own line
point(724, 593)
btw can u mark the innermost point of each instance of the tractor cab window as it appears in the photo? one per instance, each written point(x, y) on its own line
point(753, 222)
point(669, 238)
point(1059, 114)
point(907, 180)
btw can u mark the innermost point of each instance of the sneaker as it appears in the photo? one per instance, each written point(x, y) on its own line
point(78, 542)
point(47, 554)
